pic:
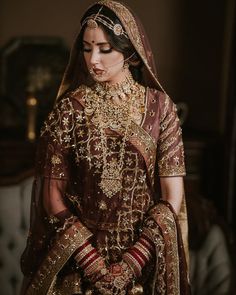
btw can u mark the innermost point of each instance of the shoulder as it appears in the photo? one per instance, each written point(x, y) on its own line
point(79, 95)
point(163, 103)
point(62, 114)
point(160, 97)
point(72, 99)
point(155, 92)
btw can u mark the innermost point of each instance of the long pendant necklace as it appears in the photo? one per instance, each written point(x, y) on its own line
point(111, 178)
point(117, 117)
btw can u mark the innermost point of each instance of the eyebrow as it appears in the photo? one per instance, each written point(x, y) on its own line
point(99, 43)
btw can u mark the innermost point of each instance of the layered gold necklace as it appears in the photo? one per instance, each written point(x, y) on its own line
point(111, 106)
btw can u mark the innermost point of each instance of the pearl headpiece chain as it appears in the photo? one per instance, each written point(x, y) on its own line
point(92, 20)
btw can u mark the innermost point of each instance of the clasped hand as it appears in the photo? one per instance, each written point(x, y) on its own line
point(116, 281)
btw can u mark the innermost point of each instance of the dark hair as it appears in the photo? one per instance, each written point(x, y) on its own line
point(119, 43)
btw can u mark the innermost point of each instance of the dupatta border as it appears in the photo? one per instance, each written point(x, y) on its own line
point(176, 277)
point(145, 145)
point(164, 218)
point(57, 258)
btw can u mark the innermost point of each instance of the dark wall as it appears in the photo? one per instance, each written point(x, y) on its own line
point(203, 57)
point(188, 40)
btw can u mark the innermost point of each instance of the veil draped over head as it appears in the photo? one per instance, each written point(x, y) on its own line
point(139, 40)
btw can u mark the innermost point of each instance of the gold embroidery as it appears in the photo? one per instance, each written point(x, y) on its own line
point(151, 113)
point(111, 179)
point(168, 258)
point(107, 114)
point(70, 284)
point(53, 219)
point(167, 164)
point(170, 145)
point(56, 259)
point(82, 137)
point(55, 160)
point(102, 205)
point(165, 110)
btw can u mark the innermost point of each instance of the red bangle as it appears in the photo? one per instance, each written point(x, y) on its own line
point(146, 244)
point(137, 257)
point(81, 247)
point(87, 256)
point(147, 240)
point(91, 260)
point(140, 254)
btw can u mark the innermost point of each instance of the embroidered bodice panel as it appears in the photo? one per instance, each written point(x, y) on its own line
point(74, 153)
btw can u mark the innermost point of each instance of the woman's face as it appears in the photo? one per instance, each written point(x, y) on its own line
point(103, 62)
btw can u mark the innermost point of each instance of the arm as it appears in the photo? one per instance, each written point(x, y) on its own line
point(170, 154)
point(58, 183)
point(172, 189)
point(86, 256)
point(51, 216)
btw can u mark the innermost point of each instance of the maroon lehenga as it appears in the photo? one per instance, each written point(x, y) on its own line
point(67, 180)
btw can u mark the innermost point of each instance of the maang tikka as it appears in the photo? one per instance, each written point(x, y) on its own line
point(92, 23)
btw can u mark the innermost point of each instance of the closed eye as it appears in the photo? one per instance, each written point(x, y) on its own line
point(109, 50)
point(104, 47)
point(105, 51)
point(87, 49)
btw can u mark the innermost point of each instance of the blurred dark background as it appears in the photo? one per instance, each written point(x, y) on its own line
point(194, 43)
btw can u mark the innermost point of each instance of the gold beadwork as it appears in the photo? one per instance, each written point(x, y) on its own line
point(117, 29)
point(92, 23)
point(108, 114)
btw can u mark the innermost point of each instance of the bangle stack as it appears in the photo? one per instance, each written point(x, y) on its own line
point(137, 256)
point(90, 261)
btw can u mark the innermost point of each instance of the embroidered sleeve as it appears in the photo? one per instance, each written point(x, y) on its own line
point(56, 141)
point(170, 151)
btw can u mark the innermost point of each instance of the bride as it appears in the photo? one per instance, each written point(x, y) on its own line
point(109, 176)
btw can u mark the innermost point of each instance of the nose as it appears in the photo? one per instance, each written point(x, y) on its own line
point(94, 57)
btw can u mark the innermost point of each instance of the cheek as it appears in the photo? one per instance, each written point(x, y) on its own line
point(113, 58)
point(86, 58)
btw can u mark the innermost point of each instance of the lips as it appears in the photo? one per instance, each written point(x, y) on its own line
point(98, 71)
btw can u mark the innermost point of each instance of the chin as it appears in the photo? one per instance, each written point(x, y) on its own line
point(99, 79)
point(107, 80)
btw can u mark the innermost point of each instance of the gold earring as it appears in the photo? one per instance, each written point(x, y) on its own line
point(125, 66)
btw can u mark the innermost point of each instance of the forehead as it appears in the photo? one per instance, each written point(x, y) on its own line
point(96, 35)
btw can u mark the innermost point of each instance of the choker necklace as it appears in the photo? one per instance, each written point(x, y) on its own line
point(117, 117)
point(118, 90)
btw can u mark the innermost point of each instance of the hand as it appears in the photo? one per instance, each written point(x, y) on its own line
point(116, 281)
